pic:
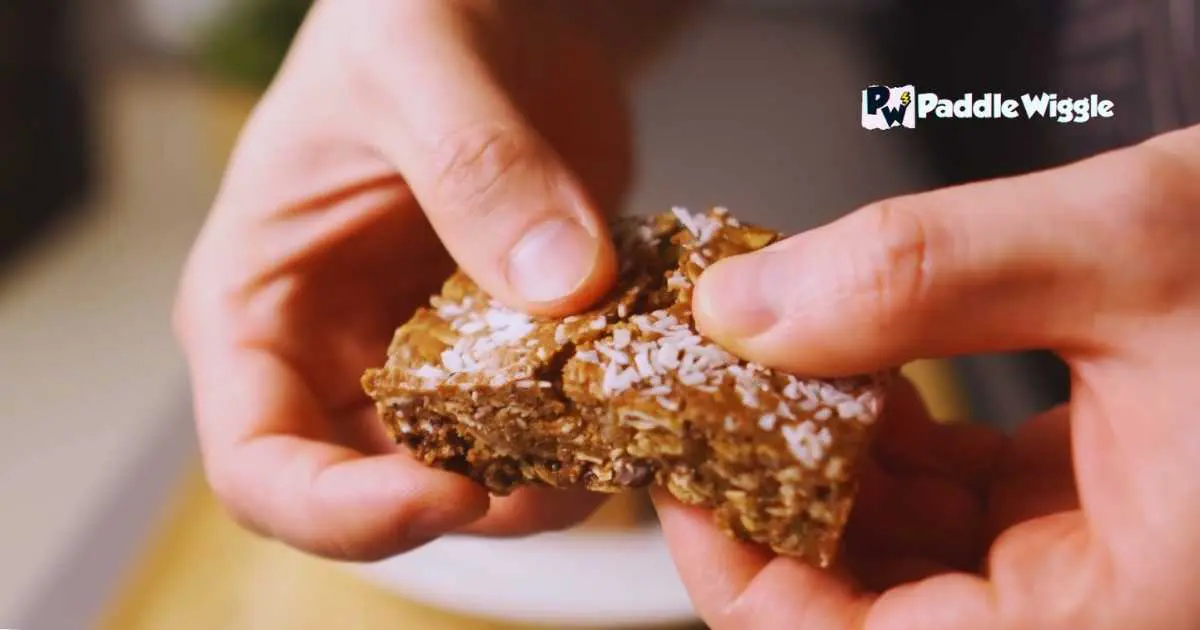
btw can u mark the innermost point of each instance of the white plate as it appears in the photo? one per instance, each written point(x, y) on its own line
point(581, 578)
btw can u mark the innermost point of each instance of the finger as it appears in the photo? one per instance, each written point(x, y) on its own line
point(734, 585)
point(1011, 263)
point(508, 209)
point(533, 510)
point(914, 517)
point(527, 510)
point(1035, 477)
point(1023, 499)
point(1040, 445)
point(264, 438)
point(908, 442)
point(950, 601)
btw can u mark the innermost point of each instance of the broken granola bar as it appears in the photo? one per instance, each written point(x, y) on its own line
point(628, 394)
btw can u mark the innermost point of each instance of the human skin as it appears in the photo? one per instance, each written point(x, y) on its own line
point(398, 139)
point(1087, 516)
point(403, 137)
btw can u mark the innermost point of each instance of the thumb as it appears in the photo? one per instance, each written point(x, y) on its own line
point(1007, 264)
point(504, 204)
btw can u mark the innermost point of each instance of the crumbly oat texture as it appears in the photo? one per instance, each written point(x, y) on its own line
point(629, 394)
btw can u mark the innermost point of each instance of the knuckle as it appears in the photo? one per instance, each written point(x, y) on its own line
point(1129, 198)
point(895, 275)
point(471, 166)
point(1158, 198)
point(1151, 221)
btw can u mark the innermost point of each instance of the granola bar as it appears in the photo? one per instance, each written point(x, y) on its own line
point(629, 394)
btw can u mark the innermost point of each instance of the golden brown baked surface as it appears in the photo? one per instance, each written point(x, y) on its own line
point(629, 394)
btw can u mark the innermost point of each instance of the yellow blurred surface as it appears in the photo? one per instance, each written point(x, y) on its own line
point(940, 388)
point(205, 572)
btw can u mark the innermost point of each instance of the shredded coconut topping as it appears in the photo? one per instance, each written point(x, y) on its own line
point(664, 347)
point(483, 328)
point(701, 226)
point(808, 443)
point(654, 354)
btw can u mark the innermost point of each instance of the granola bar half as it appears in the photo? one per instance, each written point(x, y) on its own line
point(630, 394)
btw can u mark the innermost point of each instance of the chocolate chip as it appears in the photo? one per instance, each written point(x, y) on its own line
point(633, 474)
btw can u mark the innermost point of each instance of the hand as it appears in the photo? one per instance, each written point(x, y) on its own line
point(397, 137)
point(1087, 516)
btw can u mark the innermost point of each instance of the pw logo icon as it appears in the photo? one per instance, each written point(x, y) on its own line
point(886, 107)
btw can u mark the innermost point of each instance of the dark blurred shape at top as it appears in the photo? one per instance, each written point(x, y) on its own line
point(247, 44)
point(44, 142)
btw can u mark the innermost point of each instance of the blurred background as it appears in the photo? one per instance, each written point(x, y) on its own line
point(116, 117)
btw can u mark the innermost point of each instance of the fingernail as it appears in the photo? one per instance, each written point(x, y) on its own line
point(744, 296)
point(552, 260)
